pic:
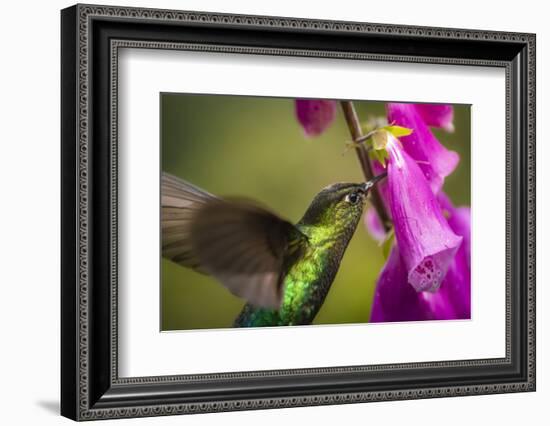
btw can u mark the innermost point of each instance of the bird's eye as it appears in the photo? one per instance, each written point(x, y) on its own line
point(352, 198)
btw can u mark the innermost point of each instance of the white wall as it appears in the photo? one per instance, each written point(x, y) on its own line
point(29, 223)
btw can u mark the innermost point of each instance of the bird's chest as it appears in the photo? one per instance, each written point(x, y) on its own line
point(306, 286)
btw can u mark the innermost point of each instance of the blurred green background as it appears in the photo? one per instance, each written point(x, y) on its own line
point(254, 147)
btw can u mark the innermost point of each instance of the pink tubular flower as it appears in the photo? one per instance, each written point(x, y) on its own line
point(315, 115)
point(395, 300)
point(426, 242)
point(437, 115)
point(435, 161)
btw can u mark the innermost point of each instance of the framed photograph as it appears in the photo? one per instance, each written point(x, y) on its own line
point(263, 212)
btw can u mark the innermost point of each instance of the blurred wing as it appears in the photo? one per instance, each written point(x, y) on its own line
point(180, 202)
point(246, 247)
point(242, 244)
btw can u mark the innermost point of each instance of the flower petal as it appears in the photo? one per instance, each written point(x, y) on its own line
point(434, 159)
point(395, 300)
point(437, 115)
point(426, 241)
point(457, 283)
point(315, 115)
point(374, 225)
point(456, 286)
point(460, 223)
point(459, 219)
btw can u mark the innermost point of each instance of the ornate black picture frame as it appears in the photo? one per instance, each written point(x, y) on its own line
point(91, 36)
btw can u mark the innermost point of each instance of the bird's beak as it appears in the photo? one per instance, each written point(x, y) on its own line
point(368, 185)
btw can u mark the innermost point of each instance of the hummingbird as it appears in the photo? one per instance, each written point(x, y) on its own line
point(283, 270)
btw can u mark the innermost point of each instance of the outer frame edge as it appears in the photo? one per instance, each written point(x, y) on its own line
point(69, 320)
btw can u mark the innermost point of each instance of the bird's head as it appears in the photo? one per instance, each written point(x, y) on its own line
point(338, 207)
